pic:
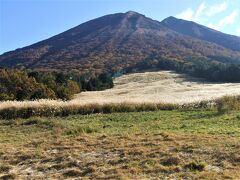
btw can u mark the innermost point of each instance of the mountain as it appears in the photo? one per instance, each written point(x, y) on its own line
point(201, 32)
point(115, 42)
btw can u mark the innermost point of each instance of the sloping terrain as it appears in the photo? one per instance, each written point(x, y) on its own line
point(111, 43)
point(149, 87)
point(202, 32)
point(162, 86)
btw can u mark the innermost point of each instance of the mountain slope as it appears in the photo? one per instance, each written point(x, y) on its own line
point(111, 43)
point(201, 32)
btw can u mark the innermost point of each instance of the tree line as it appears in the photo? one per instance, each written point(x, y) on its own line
point(195, 66)
point(30, 85)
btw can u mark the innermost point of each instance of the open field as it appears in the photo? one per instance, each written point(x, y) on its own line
point(160, 87)
point(161, 144)
point(149, 87)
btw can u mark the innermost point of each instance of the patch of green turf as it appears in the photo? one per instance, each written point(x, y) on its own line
point(183, 122)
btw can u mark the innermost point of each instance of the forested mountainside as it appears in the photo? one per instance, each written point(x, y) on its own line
point(202, 32)
point(115, 43)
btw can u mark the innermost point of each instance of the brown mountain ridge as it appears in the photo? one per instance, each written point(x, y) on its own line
point(115, 42)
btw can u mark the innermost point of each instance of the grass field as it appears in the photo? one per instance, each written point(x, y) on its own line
point(159, 87)
point(150, 87)
point(139, 145)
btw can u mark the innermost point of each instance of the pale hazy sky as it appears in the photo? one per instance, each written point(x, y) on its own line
point(23, 22)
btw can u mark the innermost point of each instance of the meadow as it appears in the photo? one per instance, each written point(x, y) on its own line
point(155, 125)
point(138, 145)
point(134, 92)
point(160, 87)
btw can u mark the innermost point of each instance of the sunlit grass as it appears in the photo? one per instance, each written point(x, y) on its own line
point(136, 145)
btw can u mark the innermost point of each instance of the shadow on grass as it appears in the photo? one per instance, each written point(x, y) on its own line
point(201, 115)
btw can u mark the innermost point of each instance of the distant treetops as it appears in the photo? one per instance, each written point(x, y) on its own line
point(23, 85)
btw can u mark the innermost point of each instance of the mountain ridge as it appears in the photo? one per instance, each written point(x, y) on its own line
point(202, 32)
point(114, 42)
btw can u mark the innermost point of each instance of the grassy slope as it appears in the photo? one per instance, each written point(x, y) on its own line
point(195, 144)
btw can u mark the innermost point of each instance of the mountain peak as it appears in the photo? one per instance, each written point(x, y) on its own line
point(198, 31)
point(122, 40)
point(171, 17)
point(132, 13)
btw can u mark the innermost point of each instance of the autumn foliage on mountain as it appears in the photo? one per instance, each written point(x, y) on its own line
point(113, 43)
point(86, 57)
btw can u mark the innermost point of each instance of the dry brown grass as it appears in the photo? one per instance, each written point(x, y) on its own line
point(147, 145)
point(137, 156)
point(160, 87)
point(151, 87)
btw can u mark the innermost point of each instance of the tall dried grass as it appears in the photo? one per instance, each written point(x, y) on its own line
point(150, 91)
point(160, 87)
point(65, 108)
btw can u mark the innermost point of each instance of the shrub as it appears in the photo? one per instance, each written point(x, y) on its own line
point(227, 104)
point(80, 130)
point(170, 161)
point(20, 85)
point(194, 166)
point(16, 85)
point(73, 87)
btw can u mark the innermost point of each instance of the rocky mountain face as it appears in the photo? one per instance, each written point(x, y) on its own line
point(118, 41)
